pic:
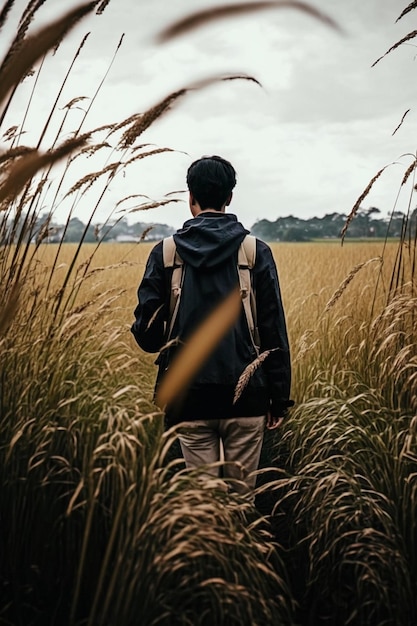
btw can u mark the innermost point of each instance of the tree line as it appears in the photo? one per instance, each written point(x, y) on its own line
point(367, 223)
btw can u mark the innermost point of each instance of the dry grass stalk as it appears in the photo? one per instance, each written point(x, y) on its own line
point(90, 179)
point(141, 122)
point(199, 347)
point(199, 18)
point(142, 155)
point(133, 195)
point(25, 21)
point(409, 171)
point(339, 291)
point(26, 167)
point(35, 46)
point(172, 342)
point(14, 152)
point(5, 11)
point(409, 8)
point(305, 345)
point(141, 146)
point(149, 205)
point(401, 122)
point(113, 128)
point(9, 308)
point(358, 202)
point(11, 133)
point(45, 231)
point(145, 232)
point(74, 101)
point(89, 150)
point(102, 5)
point(154, 316)
point(248, 372)
point(396, 45)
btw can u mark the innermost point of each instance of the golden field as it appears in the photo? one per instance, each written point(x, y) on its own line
point(310, 273)
point(329, 290)
point(90, 474)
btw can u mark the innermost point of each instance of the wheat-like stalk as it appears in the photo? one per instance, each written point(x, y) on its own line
point(101, 6)
point(9, 308)
point(401, 121)
point(409, 8)
point(248, 372)
point(130, 197)
point(141, 122)
point(199, 18)
point(198, 348)
point(34, 47)
point(113, 128)
point(5, 11)
point(339, 291)
point(145, 232)
point(11, 133)
point(410, 169)
point(359, 201)
point(305, 345)
point(142, 155)
point(88, 180)
point(89, 150)
point(24, 169)
point(13, 153)
point(45, 231)
point(74, 101)
point(153, 318)
point(396, 45)
point(149, 205)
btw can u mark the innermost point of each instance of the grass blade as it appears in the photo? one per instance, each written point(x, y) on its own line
point(200, 18)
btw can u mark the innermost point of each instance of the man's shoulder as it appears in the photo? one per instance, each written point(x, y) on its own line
point(155, 255)
point(262, 246)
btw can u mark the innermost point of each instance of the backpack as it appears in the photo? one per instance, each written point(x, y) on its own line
point(245, 262)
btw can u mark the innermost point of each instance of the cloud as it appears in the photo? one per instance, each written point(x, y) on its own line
point(307, 143)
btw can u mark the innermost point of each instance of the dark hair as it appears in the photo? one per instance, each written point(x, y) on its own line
point(211, 180)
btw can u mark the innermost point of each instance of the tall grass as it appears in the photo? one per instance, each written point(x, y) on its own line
point(100, 523)
point(345, 500)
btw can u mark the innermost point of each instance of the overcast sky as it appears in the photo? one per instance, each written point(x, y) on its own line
point(307, 143)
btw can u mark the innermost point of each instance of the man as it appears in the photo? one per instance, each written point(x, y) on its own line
point(208, 245)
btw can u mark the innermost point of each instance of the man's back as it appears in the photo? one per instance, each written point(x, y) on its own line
point(208, 245)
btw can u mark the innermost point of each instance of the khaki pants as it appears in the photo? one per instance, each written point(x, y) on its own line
point(236, 441)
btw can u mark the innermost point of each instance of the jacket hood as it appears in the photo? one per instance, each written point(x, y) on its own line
point(209, 239)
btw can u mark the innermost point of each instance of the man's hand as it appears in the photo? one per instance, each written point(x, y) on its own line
point(273, 422)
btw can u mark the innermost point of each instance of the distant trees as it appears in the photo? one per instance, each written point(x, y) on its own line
point(74, 232)
point(119, 230)
point(44, 229)
point(366, 223)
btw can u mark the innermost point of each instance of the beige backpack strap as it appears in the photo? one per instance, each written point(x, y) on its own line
point(172, 259)
point(246, 261)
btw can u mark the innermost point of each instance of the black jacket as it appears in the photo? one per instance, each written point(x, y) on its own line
point(208, 244)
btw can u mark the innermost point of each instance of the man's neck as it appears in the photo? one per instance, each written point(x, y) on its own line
point(210, 211)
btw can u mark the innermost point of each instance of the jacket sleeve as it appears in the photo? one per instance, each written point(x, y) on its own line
point(272, 330)
point(151, 311)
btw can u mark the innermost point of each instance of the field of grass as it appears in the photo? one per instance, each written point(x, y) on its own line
point(322, 312)
point(330, 292)
point(100, 525)
point(84, 455)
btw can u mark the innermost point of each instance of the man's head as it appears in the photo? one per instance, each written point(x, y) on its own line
point(210, 181)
